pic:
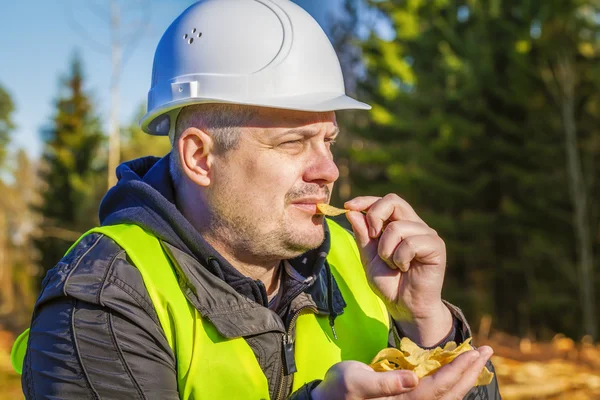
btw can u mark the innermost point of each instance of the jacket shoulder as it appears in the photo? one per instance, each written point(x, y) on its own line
point(94, 332)
point(97, 271)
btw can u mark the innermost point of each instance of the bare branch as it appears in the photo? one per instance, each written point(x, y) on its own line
point(551, 81)
point(119, 56)
point(99, 11)
point(138, 32)
point(133, 5)
point(89, 38)
point(60, 233)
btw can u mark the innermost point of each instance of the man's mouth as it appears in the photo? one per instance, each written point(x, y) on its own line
point(309, 204)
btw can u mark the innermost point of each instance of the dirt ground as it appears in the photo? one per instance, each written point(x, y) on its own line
point(10, 382)
point(558, 369)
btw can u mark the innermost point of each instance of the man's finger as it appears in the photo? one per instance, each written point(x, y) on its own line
point(361, 203)
point(470, 376)
point(384, 384)
point(376, 220)
point(359, 226)
point(380, 210)
point(425, 249)
point(436, 386)
point(394, 233)
point(366, 245)
point(390, 208)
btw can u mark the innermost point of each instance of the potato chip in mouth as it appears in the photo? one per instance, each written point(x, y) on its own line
point(424, 362)
point(330, 211)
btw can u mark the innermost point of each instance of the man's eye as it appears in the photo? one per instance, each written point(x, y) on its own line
point(292, 143)
point(330, 142)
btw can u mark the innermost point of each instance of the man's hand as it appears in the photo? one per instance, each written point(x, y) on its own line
point(353, 380)
point(405, 261)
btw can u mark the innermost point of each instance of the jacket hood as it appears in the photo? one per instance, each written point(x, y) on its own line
point(144, 195)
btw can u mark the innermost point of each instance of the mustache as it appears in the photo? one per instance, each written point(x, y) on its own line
point(307, 191)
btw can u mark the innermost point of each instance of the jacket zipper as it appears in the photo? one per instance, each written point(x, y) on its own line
point(288, 350)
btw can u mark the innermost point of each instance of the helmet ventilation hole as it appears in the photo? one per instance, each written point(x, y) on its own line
point(188, 37)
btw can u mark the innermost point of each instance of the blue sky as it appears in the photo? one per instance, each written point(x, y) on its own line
point(38, 39)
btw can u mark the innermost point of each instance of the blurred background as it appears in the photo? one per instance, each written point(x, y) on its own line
point(486, 118)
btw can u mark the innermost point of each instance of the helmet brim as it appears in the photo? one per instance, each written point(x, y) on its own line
point(313, 102)
point(318, 103)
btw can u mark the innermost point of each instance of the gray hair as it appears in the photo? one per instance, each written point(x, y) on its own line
point(221, 121)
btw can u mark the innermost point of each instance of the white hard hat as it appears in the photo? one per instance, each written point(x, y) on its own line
point(268, 53)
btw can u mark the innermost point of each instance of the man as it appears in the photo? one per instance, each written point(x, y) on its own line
point(213, 275)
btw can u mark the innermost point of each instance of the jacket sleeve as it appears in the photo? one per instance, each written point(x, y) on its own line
point(304, 392)
point(94, 332)
point(460, 332)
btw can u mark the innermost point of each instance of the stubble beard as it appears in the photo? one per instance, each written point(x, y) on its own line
point(242, 234)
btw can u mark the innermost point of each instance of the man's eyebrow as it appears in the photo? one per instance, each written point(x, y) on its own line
point(307, 132)
point(336, 132)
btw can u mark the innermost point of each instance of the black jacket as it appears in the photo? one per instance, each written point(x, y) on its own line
point(95, 334)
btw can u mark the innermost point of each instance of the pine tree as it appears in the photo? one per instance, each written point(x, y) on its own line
point(70, 169)
point(6, 124)
point(465, 129)
point(6, 267)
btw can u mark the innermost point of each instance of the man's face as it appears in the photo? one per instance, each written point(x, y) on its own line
point(263, 193)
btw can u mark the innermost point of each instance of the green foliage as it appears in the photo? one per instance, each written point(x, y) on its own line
point(6, 124)
point(464, 127)
point(71, 170)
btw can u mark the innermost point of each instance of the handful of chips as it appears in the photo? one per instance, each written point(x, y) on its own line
point(330, 211)
point(424, 362)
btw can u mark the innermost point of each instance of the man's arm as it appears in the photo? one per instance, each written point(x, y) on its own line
point(94, 332)
point(405, 262)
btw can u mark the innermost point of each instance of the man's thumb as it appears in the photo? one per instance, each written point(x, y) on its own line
point(387, 384)
point(359, 225)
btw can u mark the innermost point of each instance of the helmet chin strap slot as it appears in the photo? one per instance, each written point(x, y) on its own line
point(161, 125)
point(165, 124)
point(184, 90)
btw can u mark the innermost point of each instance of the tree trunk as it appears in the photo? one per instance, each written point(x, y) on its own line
point(114, 142)
point(579, 196)
point(6, 276)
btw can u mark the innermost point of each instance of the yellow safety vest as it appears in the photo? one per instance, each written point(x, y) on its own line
point(210, 366)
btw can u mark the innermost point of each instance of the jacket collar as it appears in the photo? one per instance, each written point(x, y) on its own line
point(235, 315)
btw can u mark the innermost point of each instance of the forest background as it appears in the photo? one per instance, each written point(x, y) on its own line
point(486, 118)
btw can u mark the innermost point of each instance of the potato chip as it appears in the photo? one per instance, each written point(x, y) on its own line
point(485, 378)
point(410, 347)
point(393, 356)
point(427, 367)
point(330, 211)
point(389, 353)
point(383, 366)
point(424, 362)
point(450, 346)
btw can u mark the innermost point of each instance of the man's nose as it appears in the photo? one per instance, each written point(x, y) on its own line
point(322, 168)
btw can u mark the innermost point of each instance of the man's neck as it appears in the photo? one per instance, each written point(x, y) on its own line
point(267, 272)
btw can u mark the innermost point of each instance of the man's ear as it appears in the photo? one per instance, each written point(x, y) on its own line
point(196, 156)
